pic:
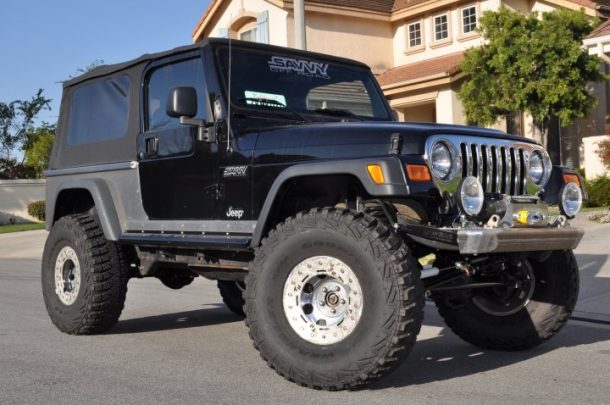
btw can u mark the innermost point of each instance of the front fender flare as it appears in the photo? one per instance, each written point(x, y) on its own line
point(395, 184)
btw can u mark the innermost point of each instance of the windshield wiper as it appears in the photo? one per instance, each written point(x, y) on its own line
point(269, 102)
point(336, 112)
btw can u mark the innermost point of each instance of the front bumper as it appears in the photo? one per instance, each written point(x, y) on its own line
point(496, 240)
point(472, 241)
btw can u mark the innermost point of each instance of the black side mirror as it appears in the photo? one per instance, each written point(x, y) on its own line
point(182, 102)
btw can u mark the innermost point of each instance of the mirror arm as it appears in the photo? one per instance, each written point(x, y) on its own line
point(203, 135)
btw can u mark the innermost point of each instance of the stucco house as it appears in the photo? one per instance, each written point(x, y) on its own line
point(413, 46)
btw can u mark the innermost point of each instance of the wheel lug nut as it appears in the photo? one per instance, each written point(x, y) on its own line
point(337, 288)
point(343, 301)
point(333, 310)
point(324, 289)
point(322, 303)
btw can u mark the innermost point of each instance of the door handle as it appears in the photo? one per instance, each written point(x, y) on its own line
point(152, 146)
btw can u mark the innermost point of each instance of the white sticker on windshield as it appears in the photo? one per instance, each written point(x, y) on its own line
point(252, 95)
point(306, 68)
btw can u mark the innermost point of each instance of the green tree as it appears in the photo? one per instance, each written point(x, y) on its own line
point(16, 119)
point(533, 63)
point(37, 148)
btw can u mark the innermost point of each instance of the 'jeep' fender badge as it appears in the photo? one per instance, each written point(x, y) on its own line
point(234, 213)
point(235, 171)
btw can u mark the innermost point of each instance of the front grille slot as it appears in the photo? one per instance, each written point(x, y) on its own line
point(500, 169)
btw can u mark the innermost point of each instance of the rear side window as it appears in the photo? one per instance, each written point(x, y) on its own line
point(100, 111)
point(161, 80)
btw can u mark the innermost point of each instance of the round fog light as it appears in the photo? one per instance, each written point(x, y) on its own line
point(570, 201)
point(470, 196)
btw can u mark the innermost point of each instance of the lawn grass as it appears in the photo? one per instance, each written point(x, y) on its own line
point(20, 227)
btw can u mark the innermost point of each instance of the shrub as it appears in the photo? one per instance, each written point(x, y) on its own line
point(37, 209)
point(599, 192)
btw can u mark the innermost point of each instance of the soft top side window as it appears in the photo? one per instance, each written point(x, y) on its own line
point(99, 111)
point(161, 80)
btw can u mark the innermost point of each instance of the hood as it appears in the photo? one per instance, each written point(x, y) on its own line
point(355, 139)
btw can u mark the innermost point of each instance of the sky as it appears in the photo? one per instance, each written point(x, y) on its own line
point(45, 41)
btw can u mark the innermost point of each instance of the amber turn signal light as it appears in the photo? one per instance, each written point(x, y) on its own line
point(571, 178)
point(376, 173)
point(418, 172)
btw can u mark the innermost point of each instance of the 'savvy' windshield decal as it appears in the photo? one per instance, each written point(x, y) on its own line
point(300, 67)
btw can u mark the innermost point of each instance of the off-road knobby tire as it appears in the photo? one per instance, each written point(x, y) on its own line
point(552, 303)
point(232, 296)
point(104, 276)
point(393, 299)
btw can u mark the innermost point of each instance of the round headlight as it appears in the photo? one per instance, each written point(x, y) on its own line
point(470, 196)
point(442, 161)
point(570, 201)
point(536, 167)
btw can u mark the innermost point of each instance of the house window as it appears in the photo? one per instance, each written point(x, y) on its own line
point(469, 19)
point(414, 33)
point(441, 27)
point(248, 35)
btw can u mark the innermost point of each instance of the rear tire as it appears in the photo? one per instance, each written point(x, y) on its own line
point(84, 276)
point(361, 303)
point(554, 295)
point(232, 295)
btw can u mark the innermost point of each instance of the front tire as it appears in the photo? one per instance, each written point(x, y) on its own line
point(482, 321)
point(84, 276)
point(333, 299)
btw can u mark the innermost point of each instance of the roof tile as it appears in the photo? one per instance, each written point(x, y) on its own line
point(602, 30)
point(384, 6)
point(448, 65)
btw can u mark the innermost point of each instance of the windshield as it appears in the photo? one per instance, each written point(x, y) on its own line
point(301, 89)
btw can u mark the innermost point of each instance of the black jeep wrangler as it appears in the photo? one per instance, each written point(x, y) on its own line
point(284, 176)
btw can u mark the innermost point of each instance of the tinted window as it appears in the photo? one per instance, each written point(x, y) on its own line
point(352, 96)
point(99, 112)
point(162, 80)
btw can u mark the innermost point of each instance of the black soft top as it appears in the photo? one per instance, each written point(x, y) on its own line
point(104, 70)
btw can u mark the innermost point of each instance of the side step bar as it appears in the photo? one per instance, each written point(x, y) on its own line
point(187, 241)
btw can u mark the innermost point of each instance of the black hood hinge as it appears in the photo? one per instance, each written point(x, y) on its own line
point(395, 144)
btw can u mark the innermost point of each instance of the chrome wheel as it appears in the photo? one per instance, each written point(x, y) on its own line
point(322, 300)
point(67, 275)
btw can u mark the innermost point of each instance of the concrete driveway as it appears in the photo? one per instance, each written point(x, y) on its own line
point(184, 346)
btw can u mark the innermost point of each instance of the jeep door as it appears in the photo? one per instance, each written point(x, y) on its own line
point(177, 173)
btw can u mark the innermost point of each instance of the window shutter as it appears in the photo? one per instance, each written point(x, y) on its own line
point(223, 33)
point(262, 28)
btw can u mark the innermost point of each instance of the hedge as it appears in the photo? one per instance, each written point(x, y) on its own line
point(599, 192)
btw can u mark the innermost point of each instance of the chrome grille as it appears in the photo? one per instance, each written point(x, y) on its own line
point(499, 168)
